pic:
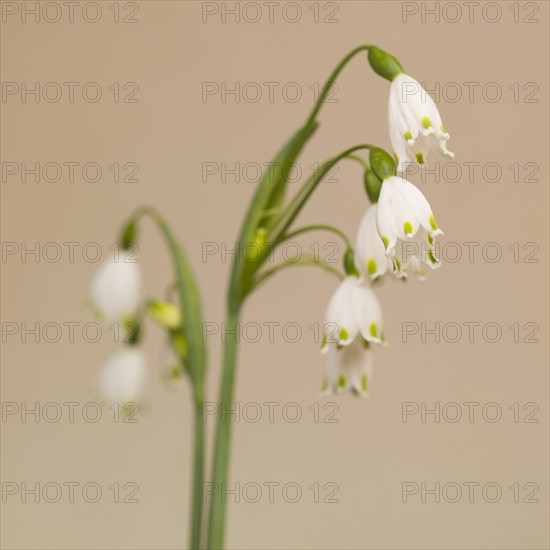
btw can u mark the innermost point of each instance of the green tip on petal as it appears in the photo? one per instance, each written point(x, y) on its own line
point(408, 228)
point(426, 122)
point(364, 386)
point(342, 381)
point(442, 129)
point(386, 242)
point(374, 330)
point(408, 136)
point(343, 334)
point(324, 341)
point(433, 225)
point(371, 267)
point(324, 387)
point(430, 239)
point(419, 158)
point(432, 258)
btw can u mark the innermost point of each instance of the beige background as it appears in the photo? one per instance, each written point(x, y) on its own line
point(170, 133)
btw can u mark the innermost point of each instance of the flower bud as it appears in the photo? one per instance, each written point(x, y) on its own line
point(165, 314)
point(372, 185)
point(382, 163)
point(384, 64)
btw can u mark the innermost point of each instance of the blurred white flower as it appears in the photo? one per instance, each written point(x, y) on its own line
point(116, 289)
point(122, 378)
point(414, 123)
point(353, 309)
point(349, 367)
point(404, 214)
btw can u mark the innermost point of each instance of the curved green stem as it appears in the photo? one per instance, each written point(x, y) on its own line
point(360, 160)
point(306, 260)
point(191, 330)
point(317, 227)
point(303, 194)
point(331, 79)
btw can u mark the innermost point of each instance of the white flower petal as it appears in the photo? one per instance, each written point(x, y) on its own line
point(116, 289)
point(370, 256)
point(340, 312)
point(122, 378)
point(368, 313)
point(348, 368)
point(414, 122)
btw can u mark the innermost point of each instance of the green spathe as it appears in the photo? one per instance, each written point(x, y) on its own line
point(382, 163)
point(384, 63)
point(373, 184)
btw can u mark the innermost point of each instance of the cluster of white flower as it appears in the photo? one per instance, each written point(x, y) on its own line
point(395, 236)
point(116, 294)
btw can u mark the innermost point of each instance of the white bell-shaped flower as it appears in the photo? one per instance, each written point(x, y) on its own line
point(404, 214)
point(414, 123)
point(116, 289)
point(349, 367)
point(353, 310)
point(370, 256)
point(122, 378)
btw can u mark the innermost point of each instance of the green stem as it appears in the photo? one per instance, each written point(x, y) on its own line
point(330, 81)
point(223, 434)
point(360, 160)
point(318, 227)
point(198, 477)
point(306, 260)
point(303, 194)
point(191, 331)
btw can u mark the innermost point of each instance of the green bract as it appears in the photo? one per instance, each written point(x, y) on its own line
point(381, 163)
point(384, 64)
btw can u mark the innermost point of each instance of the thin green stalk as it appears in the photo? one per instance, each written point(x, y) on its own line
point(306, 260)
point(302, 195)
point(191, 331)
point(330, 81)
point(216, 529)
point(317, 227)
point(198, 478)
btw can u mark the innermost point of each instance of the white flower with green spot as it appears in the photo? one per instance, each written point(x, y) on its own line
point(348, 368)
point(406, 225)
point(353, 310)
point(414, 123)
point(123, 376)
point(116, 289)
point(370, 256)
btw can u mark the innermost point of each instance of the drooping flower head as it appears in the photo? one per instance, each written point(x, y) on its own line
point(353, 310)
point(116, 289)
point(404, 215)
point(414, 123)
